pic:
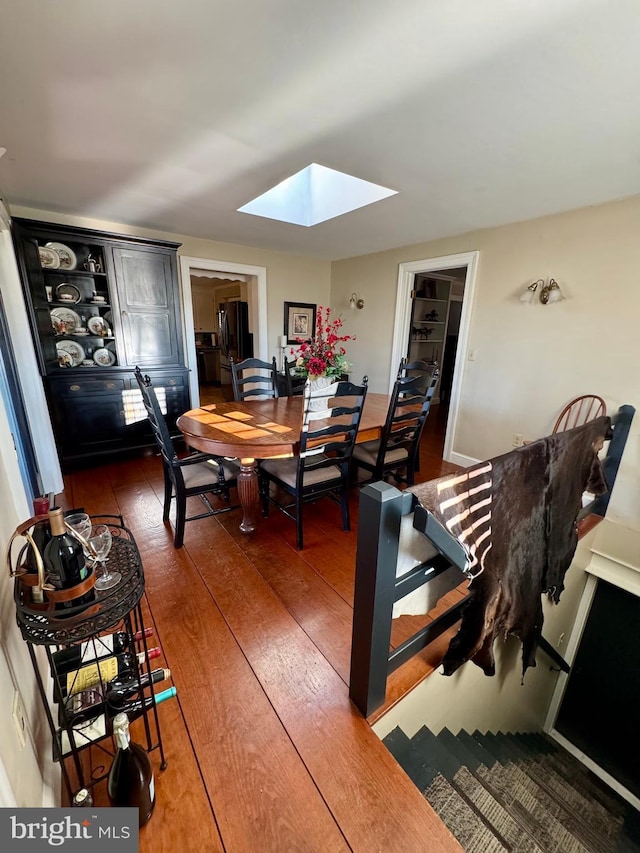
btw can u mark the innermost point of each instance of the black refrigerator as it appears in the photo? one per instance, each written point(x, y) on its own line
point(235, 339)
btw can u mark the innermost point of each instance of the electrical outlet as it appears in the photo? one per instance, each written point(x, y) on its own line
point(518, 439)
point(19, 718)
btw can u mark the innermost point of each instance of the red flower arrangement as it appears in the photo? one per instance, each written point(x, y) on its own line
point(324, 354)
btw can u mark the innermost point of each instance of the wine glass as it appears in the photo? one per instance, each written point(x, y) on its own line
point(101, 540)
point(80, 522)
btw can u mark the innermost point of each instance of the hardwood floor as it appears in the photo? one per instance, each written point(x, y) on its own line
point(265, 751)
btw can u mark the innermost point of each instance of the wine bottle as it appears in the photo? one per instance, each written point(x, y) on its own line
point(65, 563)
point(101, 671)
point(41, 534)
point(90, 702)
point(131, 780)
point(117, 704)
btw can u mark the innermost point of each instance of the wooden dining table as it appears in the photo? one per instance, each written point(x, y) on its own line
point(262, 429)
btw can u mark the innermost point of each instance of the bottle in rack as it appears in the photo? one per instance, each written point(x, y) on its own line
point(137, 706)
point(103, 646)
point(86, 705)
point(65, 563)
point(130, 780)
point(74, 679)
point(41, 535)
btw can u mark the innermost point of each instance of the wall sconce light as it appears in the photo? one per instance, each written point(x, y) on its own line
point(356, 301)
point(547, 293)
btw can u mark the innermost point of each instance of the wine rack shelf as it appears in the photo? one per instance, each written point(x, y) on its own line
point(116, 609)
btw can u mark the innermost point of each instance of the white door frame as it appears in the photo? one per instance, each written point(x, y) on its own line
point(257, 292)
point(406, 276)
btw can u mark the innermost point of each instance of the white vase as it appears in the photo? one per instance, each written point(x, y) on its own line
point(322, 388)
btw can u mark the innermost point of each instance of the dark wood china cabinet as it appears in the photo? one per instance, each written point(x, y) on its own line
point(99, 304)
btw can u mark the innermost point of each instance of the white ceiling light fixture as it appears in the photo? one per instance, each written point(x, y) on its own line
point(315, 194)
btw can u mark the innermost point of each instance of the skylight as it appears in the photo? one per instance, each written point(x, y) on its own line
point(314, 195)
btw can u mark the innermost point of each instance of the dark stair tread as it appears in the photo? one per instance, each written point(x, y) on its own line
point(455, 745)
point(411, 760)
point(476, 747)
point(461, 819)
point(398, 744)
point(435, 753)
point(512, 747)
point(492, 745)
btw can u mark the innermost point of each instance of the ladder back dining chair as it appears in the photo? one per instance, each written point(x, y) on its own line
point(397, 452)
point(330, 422)
point(254, 378)
point(197, 475)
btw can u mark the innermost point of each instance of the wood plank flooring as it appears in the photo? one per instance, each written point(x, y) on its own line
point(265, 751)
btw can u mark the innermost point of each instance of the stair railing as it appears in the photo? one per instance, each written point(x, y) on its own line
point(377, 588)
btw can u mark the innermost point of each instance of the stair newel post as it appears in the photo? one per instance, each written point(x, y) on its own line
point(382, 506)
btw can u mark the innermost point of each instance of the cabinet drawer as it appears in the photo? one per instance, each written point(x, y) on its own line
point(88, 386)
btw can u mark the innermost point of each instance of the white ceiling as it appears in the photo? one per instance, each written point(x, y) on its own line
point(171, 115)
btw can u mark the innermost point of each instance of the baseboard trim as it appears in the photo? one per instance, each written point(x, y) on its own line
point(461, 459)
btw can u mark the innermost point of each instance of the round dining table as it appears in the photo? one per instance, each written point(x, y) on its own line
point(262, 429)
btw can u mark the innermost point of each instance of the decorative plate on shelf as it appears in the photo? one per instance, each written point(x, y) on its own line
point(67, 293)
point(69, 319)
point(68, 260)
point(70, 350)
point(49, 259)
point(104, 357)
point(97, 326)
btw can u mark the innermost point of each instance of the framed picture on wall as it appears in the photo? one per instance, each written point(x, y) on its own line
point(299, 321)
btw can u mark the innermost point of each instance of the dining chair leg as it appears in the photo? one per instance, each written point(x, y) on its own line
point(344, 503)
point(181, 515)
point(263, 487)
point(299, 537)
point(168, 488)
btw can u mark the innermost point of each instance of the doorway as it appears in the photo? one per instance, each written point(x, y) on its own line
point(256, 296)
point(457, 298)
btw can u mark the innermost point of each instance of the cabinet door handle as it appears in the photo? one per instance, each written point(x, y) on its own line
point(172, 382)
point(74, 388)
point(124, 314)
point(111, 385)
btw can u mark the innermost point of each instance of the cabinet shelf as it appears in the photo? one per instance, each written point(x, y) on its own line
point(429, 299)
point(72, 273)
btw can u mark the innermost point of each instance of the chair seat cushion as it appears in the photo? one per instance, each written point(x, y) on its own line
point(286, 470)
point(204, 473)
point(367, 452)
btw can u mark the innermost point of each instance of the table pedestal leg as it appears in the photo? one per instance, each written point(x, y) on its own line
point(248, 494)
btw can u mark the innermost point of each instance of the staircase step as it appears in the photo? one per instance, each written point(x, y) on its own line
point(512, 747)
point(493, 746)
point(483, 756)
point(398, 744)
point(411, 759)
point(549, 833)
point(435, 753)
point(503, 824)
point(462, 821)
point(465, 756)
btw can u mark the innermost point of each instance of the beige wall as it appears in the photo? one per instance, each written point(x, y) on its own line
point(289, 277)
point(531, 359)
